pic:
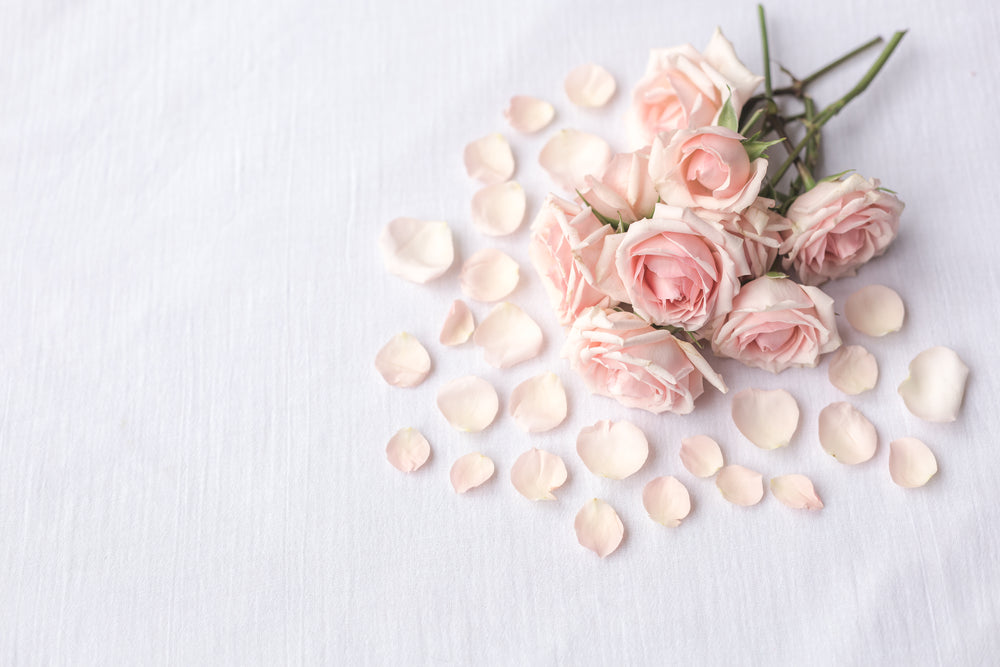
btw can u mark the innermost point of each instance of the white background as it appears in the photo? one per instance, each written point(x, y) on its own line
point(192, 462)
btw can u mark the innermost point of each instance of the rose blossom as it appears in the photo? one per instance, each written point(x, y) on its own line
point(776, 323)
point(619, 355)
point(839, 225)
point(625, 190)
point(759, 226)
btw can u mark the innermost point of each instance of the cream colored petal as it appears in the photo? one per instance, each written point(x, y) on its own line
point(701, 455)
point(875, 310)
point(570, 156)
point(667, 501)
point(846, 434)
point(470, 471)
point(590, 85)
point(417, 250)
point(403, 361)
point(408, 449)
point(796, 491)
point(539, 403)
point(489, 275)
point(468, 403)
point(612, 449)
point(767, 418)
point(489, 159)
point(536, 473)
point(598, 527)
point(853, 370)
point(911, 462)
point(508, 336)
point(936, 385)
point(529, 114)
point(458, 324)
point(498, 210)
point(740, 486)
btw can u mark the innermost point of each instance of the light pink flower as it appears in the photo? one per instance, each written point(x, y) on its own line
point(625, 190)
point(619, 355)
point(839, 225)
point(759, 226)
point(776, 323)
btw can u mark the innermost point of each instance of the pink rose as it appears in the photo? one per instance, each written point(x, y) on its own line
point(625, 189)
point(837, 226)
point(683, 88)
point(759, 226)
point(621, 356)
point(776, 323)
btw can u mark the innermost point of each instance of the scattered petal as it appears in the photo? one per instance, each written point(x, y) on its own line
point(740, 486)
point(403, 361)
point(936, 385)
point(539, 403)
point(458, 324)
point(529, 114)
point(417, 250)
point(767, 418)
point(536, 473)
point(846, 434)
point(470, 471)
point(911, 462)
point(875, 310)
point(408, 449)
point(570, 156)
point(489, 160)
point(701, 455)
point(489, 275)
point(498, 209)
point(667, 501)
point(598, 527)
point(853, 370)
point(612, 449)
point(590, 86)
point(469, 403)
point(508, 336)
point(796, 491)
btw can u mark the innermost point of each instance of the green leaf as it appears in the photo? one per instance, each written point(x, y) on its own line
point(834, 177)
point(756, 149)
point(775, 274)
point(727, 116)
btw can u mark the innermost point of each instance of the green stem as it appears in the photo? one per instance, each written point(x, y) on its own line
point(767, 51)
point(747, 126)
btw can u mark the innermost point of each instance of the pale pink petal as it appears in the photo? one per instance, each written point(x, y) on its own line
point(590, 86)
point(489, 275)
point(612, 449)
point(470, 471)
point(767, 418)
point(403, 361)
point(570, 156)
point(498, 209)
point(489, 159)
point(508, 336)
point(536, 473)
point(667, 501)
point(846, 434)
point(796, 491)
point(740, 486)
point(417, 250)
point(408, 449)
point(701, 455)
point(911, 462)
point(529, 114)
point(468, 403)
point(936, 385)
point(598, 527)
point(853, 370)
point(875, 310)
point(539, 403)
point(458, 324)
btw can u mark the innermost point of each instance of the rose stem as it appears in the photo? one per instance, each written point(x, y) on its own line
point(798, 85)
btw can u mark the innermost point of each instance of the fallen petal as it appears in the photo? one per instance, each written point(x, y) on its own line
point(403, 361)
point(701, 455)
point(536, 473)
point(570, 156)
point(498, 209)
point(796, 491)
point(489, 160)
point(508, 336)
point(489, 275)
point(853, 370)
point(529, 114)
point(667, 501)
point(911, 462)
point(612, 449)
point(470, 471)
point(740, 486)
point(590, 86)
point(767, 418)
point(846, 434)
point(875, 310)
point(936, 386)
point(539, 403)
point(468, 403)
point(458, 324)
point(417, 250)
point(598, 527)
point(408, 449)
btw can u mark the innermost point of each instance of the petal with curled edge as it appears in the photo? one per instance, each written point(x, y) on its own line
point(470, 471)
point(612, 449)
point(701, 455)
point(539, 403)
point(408, 449)
point(536, 473)
point(529, 114)
point(846, 434)
point(498, 209)
point(853, 370)
point(403, 361)
point(740, 486)
point(936, 385)
point(590, 85)
point(508, 336)
point(417, 250)
point(469, 403)
point(458, 324)
point(598, 527)
point(489, 159)
point(796, 491)
point(767, 418)
point(569, 156)
point(489, 275)
point(667, 501)
point(911, 463)
point(875, 310)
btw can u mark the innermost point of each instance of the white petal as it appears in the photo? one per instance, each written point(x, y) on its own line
point(796, 491)
point(570, 156)
point(508, 336)
point(536, 473)
point(539, 403)
point(470, 471)
point(911, 462)
point(416, 250)
point(767, 418)
point(489, 275)
point(853, 370)
point(458, 324)
point(875, 310)
point(403, 361)
point(529, 114)
point(498, 210)
point(667, 501)
point(489, 160)
point(469, 403)
point(740, 486)
point(846, 434)
point(598, 527)
point(701, 455)
point(936, 385)
point(613, 450)
point(590, 86)
point(408, 449)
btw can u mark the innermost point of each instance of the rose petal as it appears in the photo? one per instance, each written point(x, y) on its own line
point(403, 361)
point(470, 471)
point(498, 210)
point(417, 250)
point(536, 473)
point(489, 159)
point(767, 418)
point(853, 370)
point(875, 310)
point(911, 462)
point(846, 434)
point(529, 114)
point(667, 501)
point(508, 336)
point(613, 450)
point(598, 527)
point(570, 156)
point(408, 449)
point(796, 491)
point(539, 403)
point(936, 385)
point(468, 403)
point(489, 275)
point(458, 324)
point(590, 86)
point(701, 455)
point(740, 486)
